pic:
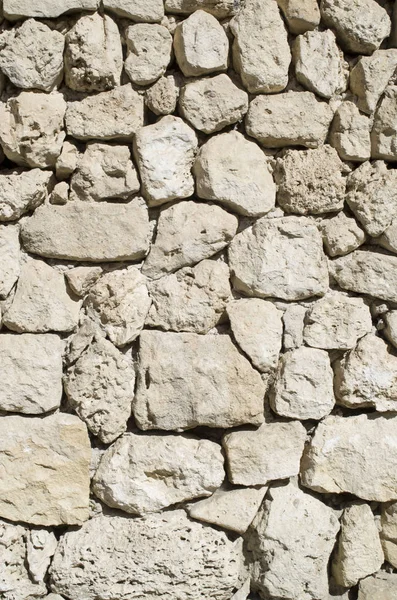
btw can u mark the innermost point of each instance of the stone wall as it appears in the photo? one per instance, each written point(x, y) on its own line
point(198, 295)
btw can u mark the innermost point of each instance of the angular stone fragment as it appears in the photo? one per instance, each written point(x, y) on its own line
point(283, 120)
point(196, 560)
point(192, 299)
point(67, 161)
point(100, 388)
point(212, 103)
point(291, 540)
point(359, 551)
point(104, 172)
point(9, 258)
point(165, 153)
point(148, 11)
point(360, 25)
point(388, 532)
point(258, 329)
point(349, 133)
point(273, 451)
point(44, 9)
point(224, 173)
point(388, 239)
point(186, 380)
point(22, 191)
point(336, 322)
point(384, 130)
point(341, 235)
point(201, 45)
point(232, 509)
point(301, 15)
point(161, 97)
point(40, 548)
point(80, 279)
point(31, 128)
point(293, 321)
point(355, 455)
point(94, 232)
point(369, 77)
point(42, 302)
point(60, 193)
point(391, 327)
point(44, 473)
point(31, 56)
point(149, 52)
point(319, 64)
point(279, 258)
point(261, 53)
point(187, 233)
point(310, 181)
point(140, 474)
point(219, 8)
point(381, 586)
point(113, 115)
point(244, 591)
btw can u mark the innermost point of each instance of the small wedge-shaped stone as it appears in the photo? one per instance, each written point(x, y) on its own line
point(261, 53)
point(80, 279)
point(22, 191)
point(388, 532)
point(367, 376)
point(201, 45)
point(360, 25)
point(31, 128)
point(258, 329)
point(212, 103)
point(100, 388)
point(9, 258)
point(119, 302)
point(369, 77)
point(67, 161)
point(42, 301)
point(44, 9)
point(367, 272)
point(165, 153)
point(319, 64)
point(140, 474)
point(301, 15)
point(381, 586)
point(31, 373)
point(148, 11)
point(223, 171)
point(94, 232)
point(113, 115)
point(350, 134)
point(355, 455)
point(186, 380)
point(281, 258)
point(293, 321)
point(161, 97)
point(93, 54)
point(187, 233)
point(388, 239)
point(337, 322)
point(359, 552)
point(31, 56)
point(44, 474)
point(149, 52)
point(291, 540)
point(341, 235)
point(104, 172)
point(384, 130)
point(289, 119)
point(197, 561)
point(40, 548)
point(192, 299)
point(219, 8)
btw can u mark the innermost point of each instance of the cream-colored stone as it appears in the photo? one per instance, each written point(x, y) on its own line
point(243, 592)
point(9, 258)
point(219, 8)
point(388, 532)
point(44, 9)
point(384, 130)
point(149, 52)
point(162, 96)
point(381, 586)
point(22, 191)
point(301, 15)
point(350, 133)
point(148, 11)
point(40, 548)
point(369, 77)
point(60, 193)
point(390, 329)
point(67, 161)
point(388, 239)
point(293, 321)
point(80, 279)
point(341, 235)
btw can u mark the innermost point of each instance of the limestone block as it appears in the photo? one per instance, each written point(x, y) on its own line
point(22, 191)
point(341, 235)
point(40, 548)
point(293, 321)
point(384, 130)
point(162, 96)
point(149, 52)
point(60, 193)
point(148, 11)
point(80, 279)
point(67, 161)
point(301, 15)
point(388, 532)
point(391, 327)
point(350, 133)
point(45, 9)
point(381, 586)
point(369, 77)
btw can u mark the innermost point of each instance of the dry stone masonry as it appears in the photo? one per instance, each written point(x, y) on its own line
point(198, 299)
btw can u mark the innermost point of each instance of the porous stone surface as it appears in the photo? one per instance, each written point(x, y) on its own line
point(149, 52)
point(384, 131)
point(162, 96)
point(40, 548)
point(9, 258)
point(22, 191)
point(369, 77)
point(350, 133)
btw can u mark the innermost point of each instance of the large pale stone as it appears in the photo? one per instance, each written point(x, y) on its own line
point(349, 133)
point(93, 54)
point(148, 11)
point(369, 77)
point(119, 302)
point(100, 388)
point(44, 9)
point(388, 532)
point(94, 232)
point(336, 322)
point(9, 258)
point(384, 130)
point(219, 8)
point(104, 172)
point(113, 115)
point(273, 451)
point(301, 15)
point(31, 56)
point(201, 45)
point(280, 258)
point(192, 299)
point(212, 103)
point(291, 541)
point(44, 474)
point(140, 474)
point(289, 119)
point(310, 181)
point(360, 25)
point(40, 548)
point(355, 455)
point(261, 53)
point(149, 52)
point(359, 552)
point(167, 555)
point(22, 191)
point(258, 330)
point(31, 128)
point(42, 302)
point(187, 233)
point(319, 64)
point(31, 373)
point(161, 97)
point(186, 380)
point(341, 235)
point(224, 173)
point(165, 153)
point(381, 586)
